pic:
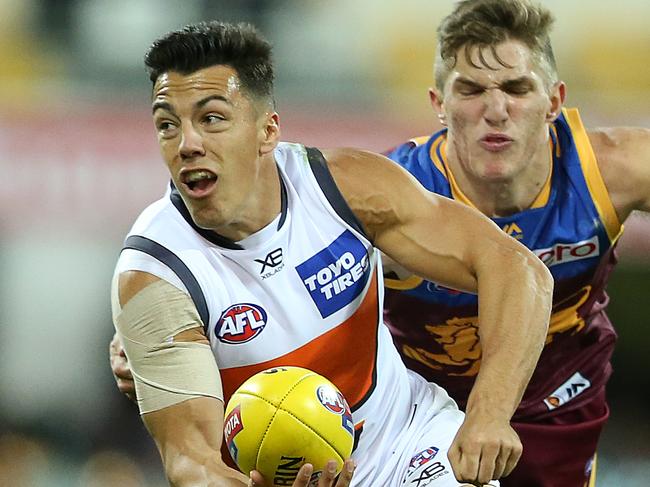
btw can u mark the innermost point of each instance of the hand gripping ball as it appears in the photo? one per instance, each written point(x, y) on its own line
point(284, 417)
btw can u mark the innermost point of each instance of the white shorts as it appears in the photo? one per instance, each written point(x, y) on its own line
point(420, 454)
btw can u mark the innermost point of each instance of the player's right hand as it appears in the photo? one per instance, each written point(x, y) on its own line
point(120, 368)
point(304, 475)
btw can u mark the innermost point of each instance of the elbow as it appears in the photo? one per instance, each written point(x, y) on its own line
point(186, 472)
point(543, 276)
point(182, 471)
point(178, 473)
point(542, 283)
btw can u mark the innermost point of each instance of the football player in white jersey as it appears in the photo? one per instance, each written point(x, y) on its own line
point(219, 133)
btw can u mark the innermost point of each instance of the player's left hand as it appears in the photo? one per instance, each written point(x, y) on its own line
point(484, 450)
point(304, 476)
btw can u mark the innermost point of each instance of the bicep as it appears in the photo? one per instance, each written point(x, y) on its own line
point(432, 236)
point(441, 240)
point(163, 337)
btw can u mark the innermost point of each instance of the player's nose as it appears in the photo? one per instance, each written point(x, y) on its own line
point(191, 142)
point(496, 107)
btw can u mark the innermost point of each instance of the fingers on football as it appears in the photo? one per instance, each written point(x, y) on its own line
point(346, 474)
point(304, 475)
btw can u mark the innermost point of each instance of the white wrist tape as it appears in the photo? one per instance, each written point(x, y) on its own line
point(166, 372)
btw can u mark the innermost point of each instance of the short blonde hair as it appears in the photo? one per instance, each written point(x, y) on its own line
point(487, 23)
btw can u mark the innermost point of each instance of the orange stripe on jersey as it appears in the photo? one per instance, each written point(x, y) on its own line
point(346, 355)
point(595, 182)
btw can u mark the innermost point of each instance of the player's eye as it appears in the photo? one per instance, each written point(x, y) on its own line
point(517, 89)
point(212, 119)
point(469, 90)
point(166, 128)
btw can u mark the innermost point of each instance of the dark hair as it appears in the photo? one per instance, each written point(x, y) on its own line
point(205, 44)
point(486, 23)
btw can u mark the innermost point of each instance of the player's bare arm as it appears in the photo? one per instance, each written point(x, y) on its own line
point(188, 434)
point(447, 242)
point(623, 156)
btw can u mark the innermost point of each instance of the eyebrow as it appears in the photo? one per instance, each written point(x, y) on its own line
point(467, 82)
point(163, 105)
point(509, 82)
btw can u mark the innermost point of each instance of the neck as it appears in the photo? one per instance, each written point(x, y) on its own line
point(502, 196)
point(261, 208)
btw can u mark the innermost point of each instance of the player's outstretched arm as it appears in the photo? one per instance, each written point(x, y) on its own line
point(456, 246)
point(176, 378)
point(327, 479)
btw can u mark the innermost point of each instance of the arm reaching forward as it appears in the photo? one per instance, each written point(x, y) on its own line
point(454, 245)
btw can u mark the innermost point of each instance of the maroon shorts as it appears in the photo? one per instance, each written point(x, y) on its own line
point(559, 452)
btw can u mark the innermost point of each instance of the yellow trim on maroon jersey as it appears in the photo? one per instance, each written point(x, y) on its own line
point(592, 476)
point(407, 284)
point(456, 192)
point(433, 155)
point(594, 179)
point(422, 139)
point(558, 149)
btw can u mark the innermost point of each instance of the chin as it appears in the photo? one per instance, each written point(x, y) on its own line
point(205, 218)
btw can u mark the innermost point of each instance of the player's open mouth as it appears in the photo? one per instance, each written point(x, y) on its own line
point(198, 182)
point(495, 142)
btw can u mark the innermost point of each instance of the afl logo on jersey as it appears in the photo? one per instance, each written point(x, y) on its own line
point(240, 323)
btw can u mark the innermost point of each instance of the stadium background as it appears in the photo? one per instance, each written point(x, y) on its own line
point(79, 160)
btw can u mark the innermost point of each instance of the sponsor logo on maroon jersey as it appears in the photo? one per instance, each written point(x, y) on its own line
point(576, 385)
point(562, 253)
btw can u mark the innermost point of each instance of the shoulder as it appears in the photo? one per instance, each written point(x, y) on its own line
point(358, 163)
point(378, 191)
point(132, 282)
point(402, 152)
point(359, 173)
point(623, 155)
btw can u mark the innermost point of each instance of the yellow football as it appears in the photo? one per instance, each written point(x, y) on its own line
point(284, 417)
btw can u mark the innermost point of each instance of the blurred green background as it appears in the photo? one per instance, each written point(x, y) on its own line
point(79, 160)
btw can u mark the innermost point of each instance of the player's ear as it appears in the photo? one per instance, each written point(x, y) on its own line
point(435, 97)
point(557, 97)
point(270, 132)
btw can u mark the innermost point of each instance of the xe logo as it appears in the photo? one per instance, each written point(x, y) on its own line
point(273, 260)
